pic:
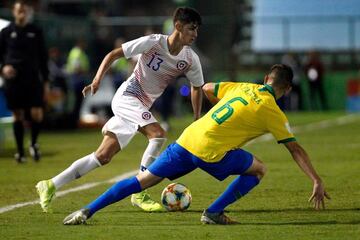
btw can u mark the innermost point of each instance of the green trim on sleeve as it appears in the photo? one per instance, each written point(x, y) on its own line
point(216, 90)
point(287, 140)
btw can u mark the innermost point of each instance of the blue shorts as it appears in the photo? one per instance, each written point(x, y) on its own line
point(176, 161)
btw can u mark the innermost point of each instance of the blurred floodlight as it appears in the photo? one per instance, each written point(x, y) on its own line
point(184, 90)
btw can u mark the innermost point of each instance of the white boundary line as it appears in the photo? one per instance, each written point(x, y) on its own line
point(309, 127)
point(75, 189)
point(6, 119)
point(313, 126)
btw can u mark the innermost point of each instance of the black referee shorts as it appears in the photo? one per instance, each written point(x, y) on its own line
point(24, 92)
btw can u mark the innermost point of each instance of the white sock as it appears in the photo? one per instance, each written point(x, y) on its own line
point(79, 168)
point(151, 152)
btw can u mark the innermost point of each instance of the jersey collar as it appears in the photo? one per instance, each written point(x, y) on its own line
point(269, 89)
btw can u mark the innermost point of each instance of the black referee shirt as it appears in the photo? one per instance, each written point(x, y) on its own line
point(24, 48)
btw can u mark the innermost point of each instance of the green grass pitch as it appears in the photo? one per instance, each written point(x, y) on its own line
point(276, 209)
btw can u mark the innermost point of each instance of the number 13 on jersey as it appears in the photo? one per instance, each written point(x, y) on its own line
point(155, 62)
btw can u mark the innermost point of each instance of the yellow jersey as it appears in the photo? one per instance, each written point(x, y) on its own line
point(244, 112)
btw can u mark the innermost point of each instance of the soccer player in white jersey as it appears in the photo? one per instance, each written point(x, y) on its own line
point(162, 58)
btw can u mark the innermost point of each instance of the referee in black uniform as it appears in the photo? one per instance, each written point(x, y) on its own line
point(23, 60)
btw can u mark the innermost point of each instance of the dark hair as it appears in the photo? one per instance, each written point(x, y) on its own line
point(282, 76)
point(24, 2)
point(187, 15)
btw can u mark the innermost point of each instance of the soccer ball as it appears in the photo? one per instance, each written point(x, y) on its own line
point(176, 197)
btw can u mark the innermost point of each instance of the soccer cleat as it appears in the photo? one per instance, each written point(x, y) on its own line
point(216, 218)
point(34, 151)
point(77, 218)
point(19, 158)
point(46, 191)
point(143, 201)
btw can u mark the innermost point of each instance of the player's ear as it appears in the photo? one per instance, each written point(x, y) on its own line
point(178, 26)
point(288, 90)
point(266, 78)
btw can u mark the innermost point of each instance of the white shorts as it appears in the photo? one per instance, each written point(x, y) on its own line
point(129, 115)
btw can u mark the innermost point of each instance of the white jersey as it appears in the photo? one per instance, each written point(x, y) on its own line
point(156, 67)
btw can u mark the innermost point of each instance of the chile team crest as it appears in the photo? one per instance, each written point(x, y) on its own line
point(181, 65)
point(146, 115)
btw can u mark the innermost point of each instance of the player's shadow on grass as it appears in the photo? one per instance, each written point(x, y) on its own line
point(243, 222)
point(301, 223)
point(9, 153)
point(289, 210)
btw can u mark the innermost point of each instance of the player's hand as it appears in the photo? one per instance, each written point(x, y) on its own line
point(92, 88)
point(318, 196)
point(8, 71)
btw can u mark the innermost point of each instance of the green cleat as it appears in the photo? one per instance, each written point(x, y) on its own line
point(46, 191)
point(143, 201)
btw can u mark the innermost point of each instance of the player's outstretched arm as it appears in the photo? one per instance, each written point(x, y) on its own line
point(209, 90)
point(196, 101)
point(302, 159)
point(104, 67)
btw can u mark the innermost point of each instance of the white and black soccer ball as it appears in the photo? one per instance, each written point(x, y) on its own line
point(176, 197)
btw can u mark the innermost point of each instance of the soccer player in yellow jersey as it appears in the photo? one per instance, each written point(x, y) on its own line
point(242, 112)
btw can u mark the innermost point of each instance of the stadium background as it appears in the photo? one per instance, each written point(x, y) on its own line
point(238, 41)
point(234, 47)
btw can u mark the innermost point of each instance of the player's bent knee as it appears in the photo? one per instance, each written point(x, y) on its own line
point(257, 169)
point(147, 179)
point(103, 156)
point(158, 133)
point(262, 171)
point(153, 130)
point(107, 149)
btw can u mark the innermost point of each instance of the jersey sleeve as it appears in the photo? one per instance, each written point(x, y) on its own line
point(279, 126)
point(139, 45)
point(195, 74)
point(221, 88)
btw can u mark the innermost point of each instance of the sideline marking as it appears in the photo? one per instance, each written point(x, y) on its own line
point(312, 126)
point(75, 189)
point(304, 128)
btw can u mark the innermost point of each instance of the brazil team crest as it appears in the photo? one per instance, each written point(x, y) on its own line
point(181, 65)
